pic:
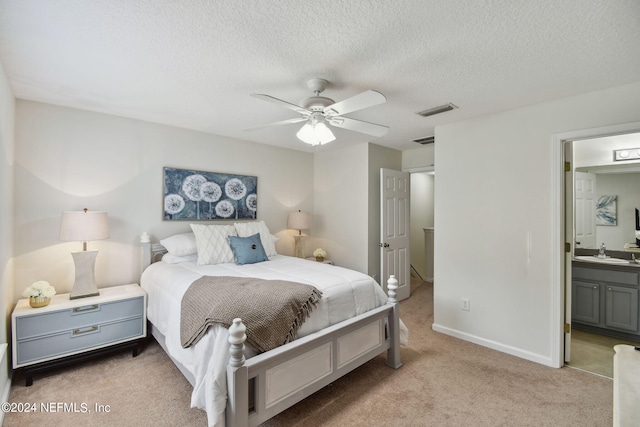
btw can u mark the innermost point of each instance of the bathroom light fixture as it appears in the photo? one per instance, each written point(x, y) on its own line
point(83, 226)
point(315, 131)
point(626, 154)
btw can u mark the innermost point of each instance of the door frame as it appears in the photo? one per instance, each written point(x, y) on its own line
point(559, 266)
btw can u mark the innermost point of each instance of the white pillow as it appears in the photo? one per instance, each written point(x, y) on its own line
point(246, 229)
point(180, 244)
point(212, 243)
point(172, 259)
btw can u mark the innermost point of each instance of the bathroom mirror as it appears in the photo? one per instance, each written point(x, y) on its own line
point(598, 177)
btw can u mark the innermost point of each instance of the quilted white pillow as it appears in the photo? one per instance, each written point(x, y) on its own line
point(213, 245)
point(246, 229)
point(180, 244)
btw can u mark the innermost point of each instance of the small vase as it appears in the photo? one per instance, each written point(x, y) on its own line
point(319, 258)
point(36, 302)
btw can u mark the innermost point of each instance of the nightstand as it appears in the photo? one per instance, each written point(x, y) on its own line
point(326, 261)
point(67, 331)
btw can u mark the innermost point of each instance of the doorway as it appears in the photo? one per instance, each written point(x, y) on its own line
point(591, 156)
point(422, 220)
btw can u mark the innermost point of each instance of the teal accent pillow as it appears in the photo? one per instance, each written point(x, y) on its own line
point(248, 250)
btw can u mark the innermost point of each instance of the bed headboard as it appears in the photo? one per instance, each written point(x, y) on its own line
point(151, 252)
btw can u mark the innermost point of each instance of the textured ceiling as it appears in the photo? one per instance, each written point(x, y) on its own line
point(193, 64)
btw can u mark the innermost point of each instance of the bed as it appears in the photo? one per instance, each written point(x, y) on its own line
point(234, 383)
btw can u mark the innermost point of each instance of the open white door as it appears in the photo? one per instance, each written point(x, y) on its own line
point(585, 210)
point(394, 230)
point(569, 237)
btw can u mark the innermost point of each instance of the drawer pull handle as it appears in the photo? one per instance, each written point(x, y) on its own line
point(87, 308)
point(610, 289)
point(595, 287)
point(80, 331)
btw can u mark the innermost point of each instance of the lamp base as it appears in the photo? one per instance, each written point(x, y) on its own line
point(85, 285)
point(298, 249)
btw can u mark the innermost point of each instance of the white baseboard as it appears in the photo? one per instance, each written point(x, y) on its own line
point(523, 354)
point(5, 381)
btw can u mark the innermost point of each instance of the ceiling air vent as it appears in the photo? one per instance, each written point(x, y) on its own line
point(426, 140)
point(436, 110)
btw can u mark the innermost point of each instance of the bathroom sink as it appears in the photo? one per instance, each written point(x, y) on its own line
point(608, 260)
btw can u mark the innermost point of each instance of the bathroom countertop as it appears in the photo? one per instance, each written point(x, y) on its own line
point(630, 264)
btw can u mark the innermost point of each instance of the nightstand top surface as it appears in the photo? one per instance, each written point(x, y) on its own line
point(62, 301)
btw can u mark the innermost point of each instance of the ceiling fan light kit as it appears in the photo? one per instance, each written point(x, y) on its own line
point(315, 134)
point(318, 111)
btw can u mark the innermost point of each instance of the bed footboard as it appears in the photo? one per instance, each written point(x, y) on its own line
point(263, 386)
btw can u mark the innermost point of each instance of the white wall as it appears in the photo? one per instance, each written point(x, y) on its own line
point(420, 157)
point(494, 201)
point(346, 219)
point(69, 159)
point(341, 188)
point(7, 146)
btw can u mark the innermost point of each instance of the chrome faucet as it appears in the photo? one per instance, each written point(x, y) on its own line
point(602, 252)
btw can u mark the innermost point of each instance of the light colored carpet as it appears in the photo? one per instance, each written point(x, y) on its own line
point(444, 382)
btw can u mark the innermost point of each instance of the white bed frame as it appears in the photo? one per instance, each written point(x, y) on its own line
point(262, 386)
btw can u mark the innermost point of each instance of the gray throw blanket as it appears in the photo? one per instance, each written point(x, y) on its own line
point(272, 310)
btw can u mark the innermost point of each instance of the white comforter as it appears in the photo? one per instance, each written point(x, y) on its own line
point(346, 293)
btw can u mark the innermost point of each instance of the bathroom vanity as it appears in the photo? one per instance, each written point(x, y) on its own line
point(605, 298)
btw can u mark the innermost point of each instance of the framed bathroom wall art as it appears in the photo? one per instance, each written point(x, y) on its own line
point(197, 195)
point(606, 210)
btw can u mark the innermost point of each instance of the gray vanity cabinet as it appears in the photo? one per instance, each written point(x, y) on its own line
point(621, 308)
point(605, 299)
point(585, 302)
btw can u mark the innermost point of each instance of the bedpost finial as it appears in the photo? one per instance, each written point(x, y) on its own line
point(237, 337)
point(392, 285)
point(144, 237)
point(237, 332)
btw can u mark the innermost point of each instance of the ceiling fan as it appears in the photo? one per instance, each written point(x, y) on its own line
point(318, 111)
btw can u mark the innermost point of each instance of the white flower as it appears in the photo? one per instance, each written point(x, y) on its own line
point(39, 288)
point(210, 192)
point(319, 253)
point(252, 202)
point(235, 189)
point(173, 203)
point(191, 186)
point(224, 209)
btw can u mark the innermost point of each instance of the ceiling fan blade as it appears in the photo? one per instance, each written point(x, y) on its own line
point(359, 126)
point(283, 122)
point(282, 103)
point(358, 102)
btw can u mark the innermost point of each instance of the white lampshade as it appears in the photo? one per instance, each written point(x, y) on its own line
point(315, 133)
point(83, 226)
point(299, 221)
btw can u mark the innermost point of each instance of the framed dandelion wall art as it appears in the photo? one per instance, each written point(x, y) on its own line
point(197, 195)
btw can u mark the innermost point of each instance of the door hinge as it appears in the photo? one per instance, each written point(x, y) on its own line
point(567, 166)
point(567, 328)
point(567, 247)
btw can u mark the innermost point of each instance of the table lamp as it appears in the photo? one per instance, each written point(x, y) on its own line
point(83, 226)
point(299, 221)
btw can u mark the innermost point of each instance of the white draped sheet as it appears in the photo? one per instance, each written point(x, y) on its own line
point(346, 293)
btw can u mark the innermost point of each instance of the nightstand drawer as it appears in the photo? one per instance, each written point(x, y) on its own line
point(77, 339)
point(92, 314)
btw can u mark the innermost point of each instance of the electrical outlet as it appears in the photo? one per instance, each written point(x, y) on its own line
point(466, 304)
